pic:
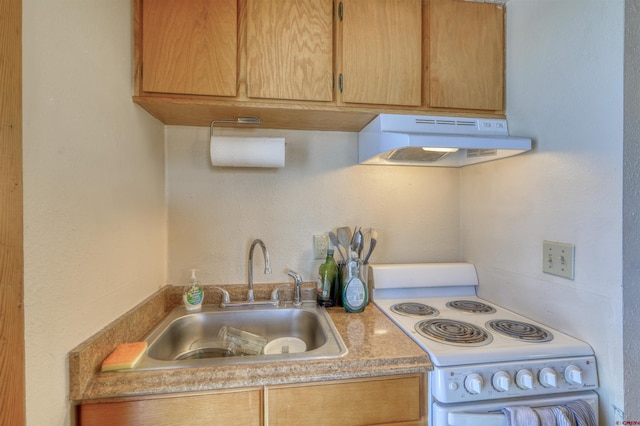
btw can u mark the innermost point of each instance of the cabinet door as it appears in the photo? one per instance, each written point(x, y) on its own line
point(466, 55)
point(373, 401)
point(232, 408)
point(290, 49)
point(382, 51)
point(190, 47)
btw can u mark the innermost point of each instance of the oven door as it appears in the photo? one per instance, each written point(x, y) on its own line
point(489, 413)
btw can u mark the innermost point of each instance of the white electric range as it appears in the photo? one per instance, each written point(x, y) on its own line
point(485, 357)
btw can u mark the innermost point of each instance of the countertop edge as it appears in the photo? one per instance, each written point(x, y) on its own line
point(110, 387)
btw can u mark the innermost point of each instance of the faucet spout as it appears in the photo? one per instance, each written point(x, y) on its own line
point(267, 265)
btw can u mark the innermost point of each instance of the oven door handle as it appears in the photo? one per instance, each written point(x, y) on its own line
point(476, 419)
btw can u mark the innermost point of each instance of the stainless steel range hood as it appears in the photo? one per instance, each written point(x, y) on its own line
point(417, 140)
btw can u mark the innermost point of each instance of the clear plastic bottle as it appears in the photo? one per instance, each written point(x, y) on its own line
point(327, 278)
point(193, 294)
point(355, 295)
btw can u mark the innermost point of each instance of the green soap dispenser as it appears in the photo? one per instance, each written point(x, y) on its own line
point(193, 294)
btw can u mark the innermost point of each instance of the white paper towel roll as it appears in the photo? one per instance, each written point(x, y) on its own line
point(247, 152)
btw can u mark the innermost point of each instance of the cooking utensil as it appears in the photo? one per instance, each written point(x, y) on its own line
point(353, 235)
point(336, 244)
point(372, 245)
point(344, 238)
point(356, 242)
point(366, 241)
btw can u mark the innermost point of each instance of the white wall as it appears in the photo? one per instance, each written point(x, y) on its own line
point(564, 70)
point(631, 206)
point(94, 205)
point(215, 213)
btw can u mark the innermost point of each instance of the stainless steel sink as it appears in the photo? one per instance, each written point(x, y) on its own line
point(186, 339)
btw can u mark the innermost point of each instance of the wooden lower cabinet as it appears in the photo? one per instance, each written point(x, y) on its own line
point(397, 400)
point(389, 400)
point(243, 407)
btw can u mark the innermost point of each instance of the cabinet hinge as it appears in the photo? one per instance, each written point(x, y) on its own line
point(340, 83)
point(340, 9)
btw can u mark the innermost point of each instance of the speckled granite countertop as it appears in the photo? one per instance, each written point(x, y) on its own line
point(376, 348)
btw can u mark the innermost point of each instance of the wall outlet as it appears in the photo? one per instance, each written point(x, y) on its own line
point(320, 244)
point(558, 259)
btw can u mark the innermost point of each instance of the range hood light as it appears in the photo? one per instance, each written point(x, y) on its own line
point(432, 149)
point(415, 140)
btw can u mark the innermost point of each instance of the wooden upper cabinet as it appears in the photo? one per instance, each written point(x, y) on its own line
point(382, 52)
point(466, 55)
point(305, 64)
point(190, 47)
point(290, 49)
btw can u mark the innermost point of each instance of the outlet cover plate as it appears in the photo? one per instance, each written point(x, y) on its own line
point(558, 259)
point(320, 245)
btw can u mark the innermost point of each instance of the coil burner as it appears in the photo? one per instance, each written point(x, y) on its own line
point(520, 330)
point(471, 307)
point(453, 332)
point(414, 309)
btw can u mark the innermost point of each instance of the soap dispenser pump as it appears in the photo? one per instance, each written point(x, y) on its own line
point(193, 294)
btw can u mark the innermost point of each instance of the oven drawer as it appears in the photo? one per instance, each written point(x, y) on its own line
point(489, 413)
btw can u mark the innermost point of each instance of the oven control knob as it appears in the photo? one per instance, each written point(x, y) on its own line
point(473, 383)
point(524, 379)
point(548, 377)
point(501, 381)
point(573, 375)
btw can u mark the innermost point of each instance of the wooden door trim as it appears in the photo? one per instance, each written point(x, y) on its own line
point(12, 349)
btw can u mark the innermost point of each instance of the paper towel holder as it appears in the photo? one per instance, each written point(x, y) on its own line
point(239, 120)
point(265, 152)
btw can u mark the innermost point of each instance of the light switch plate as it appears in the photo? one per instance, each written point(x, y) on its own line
point(320, 245)
point(558, 259)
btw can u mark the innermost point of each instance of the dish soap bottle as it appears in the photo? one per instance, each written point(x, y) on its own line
point(193, 294)
point(327, 276)
point(354, 291)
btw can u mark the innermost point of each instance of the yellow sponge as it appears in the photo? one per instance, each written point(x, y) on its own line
point(126, 355)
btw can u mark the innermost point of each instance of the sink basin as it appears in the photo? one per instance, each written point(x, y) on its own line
point(194, 339)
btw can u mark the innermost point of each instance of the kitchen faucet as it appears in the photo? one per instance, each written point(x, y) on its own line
point(297, 284)
point(267, 266)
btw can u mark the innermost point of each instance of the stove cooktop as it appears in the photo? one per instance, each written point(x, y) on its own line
point(470, 330)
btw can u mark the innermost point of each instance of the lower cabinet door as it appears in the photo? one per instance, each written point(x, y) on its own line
point(398, 400)
point(228, 408)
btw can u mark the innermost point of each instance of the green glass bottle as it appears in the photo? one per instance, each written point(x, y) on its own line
point(326, 284)
point(355, 294)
